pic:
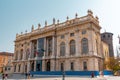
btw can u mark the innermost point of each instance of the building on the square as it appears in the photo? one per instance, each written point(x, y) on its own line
point(107, 37)
point(5, 59)
point(73, 45)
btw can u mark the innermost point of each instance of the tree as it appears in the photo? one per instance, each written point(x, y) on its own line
point(112, 64)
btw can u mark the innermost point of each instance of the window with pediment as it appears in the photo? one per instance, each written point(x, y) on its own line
point(84, 45)
point(62, 49)
point(21, 54)
point(84, 65)
point(72, 47)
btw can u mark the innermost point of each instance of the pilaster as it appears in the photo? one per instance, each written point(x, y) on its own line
point(77, 43)
point(53, 46)
point(35, 65)
point(67, 44)
point(43, 65)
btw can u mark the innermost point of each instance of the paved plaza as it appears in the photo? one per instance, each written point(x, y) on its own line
point(22, 77)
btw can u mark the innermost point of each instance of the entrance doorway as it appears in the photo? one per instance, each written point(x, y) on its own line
point(48, 66)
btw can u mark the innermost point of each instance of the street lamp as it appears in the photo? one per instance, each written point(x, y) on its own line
point(63, 74)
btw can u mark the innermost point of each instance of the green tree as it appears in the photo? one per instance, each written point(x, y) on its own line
point(113, 64)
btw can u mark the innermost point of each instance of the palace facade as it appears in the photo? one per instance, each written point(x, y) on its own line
point(73, 45)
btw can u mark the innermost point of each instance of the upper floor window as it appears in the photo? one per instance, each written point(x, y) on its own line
point(62, 36)
point(49, 46)
point(83, 31)
point(103, 36)
point(71, 34)
point(72, 47)
point(84, 45)
point(62, 49)
point(108, 36)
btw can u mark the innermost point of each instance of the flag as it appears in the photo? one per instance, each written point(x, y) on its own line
point(42, 50)
point(36, 52)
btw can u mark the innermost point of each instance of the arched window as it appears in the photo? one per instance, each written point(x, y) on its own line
point(84, 45)
point(72, 47)
point(62, 49)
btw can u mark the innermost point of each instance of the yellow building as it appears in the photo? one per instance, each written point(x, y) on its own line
point(73, 45)
point(105, 49)
point(5, 58)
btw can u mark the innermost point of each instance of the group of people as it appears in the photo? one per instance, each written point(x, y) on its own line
point(4, 76)
point(27, 75)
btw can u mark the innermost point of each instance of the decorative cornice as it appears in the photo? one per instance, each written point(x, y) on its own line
point(60, 26)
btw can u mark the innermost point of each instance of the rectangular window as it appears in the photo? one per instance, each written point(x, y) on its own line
point(83, 31)
point(72, 66)
point(62, 36)
point(49, 46)
point(71, 34)
point(85, 66)
point(62, 66)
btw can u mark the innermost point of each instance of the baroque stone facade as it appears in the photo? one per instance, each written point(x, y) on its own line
point(73, 45)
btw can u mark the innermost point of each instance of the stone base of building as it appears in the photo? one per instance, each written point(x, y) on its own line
point(72, 73)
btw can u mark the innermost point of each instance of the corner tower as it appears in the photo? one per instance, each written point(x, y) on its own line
point(108, 38)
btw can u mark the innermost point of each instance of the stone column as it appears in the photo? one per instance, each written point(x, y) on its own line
point(77, 43)
point(34, 65)
point(45, 47)
point(52, 65)
point(37, 49)
point(30, 55)
point(22, 70)
point(53, 46)
point(90, 42)
point(67, 45)
point(28, 66)
point(24, 52)
point(19, 55)
point(16, 68)
point(43, 65)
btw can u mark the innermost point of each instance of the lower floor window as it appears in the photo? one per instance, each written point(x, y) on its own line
point(72, 66)
point(84, 65)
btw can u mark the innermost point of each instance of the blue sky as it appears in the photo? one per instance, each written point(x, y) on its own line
point(16, 16)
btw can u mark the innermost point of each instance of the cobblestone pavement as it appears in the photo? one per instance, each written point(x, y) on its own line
point(22, 77)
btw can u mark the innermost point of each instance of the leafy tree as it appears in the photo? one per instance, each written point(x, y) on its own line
point(112, 64)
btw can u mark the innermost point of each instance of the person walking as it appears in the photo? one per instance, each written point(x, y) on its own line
point(6, 76)
point(92, 75)
point(3, 76)
point(26, 75)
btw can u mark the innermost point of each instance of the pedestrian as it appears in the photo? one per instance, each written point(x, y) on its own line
point(6, 76)
point(92, 75)
point(3, 76)
point(26, 75)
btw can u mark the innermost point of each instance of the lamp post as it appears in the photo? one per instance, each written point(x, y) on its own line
point(63, 75)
